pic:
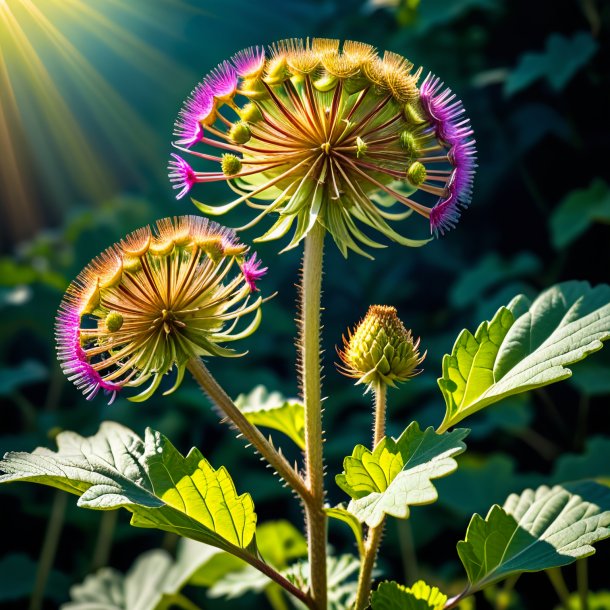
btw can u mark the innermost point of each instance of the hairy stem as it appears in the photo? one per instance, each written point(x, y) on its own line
point(251, 433)
point(371, 545)
point(309, 358)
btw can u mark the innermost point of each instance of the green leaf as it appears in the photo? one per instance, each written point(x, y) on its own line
point(525, 346)
point(592, 464)
point(153, 578)
point(392, 596)
point(342, 514)
point(272, 410)
point(398, 473)
point(538, 530)
point(578, 211)
point(115, 468)
point(558, 63)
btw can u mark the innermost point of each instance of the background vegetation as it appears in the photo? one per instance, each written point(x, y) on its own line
point(534, 79)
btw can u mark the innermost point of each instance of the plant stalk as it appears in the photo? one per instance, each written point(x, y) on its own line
point(251, 433)
point(310, 369)
point(371, 545)
point(559, 584)
point(582, 580)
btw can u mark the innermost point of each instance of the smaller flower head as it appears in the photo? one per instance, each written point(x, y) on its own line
point(152, 302)
point(253, 270)
point(380, 350)
point(181, 175)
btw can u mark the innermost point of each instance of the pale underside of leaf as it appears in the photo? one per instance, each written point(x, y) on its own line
point(525, 346)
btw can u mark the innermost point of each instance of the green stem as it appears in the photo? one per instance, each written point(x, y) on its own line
point(373, 539)
point(103, 544)
point(310, 368)
point(582, 580)
point(49, 548)
point(559, 584)
point(407, 549)
point(251, 433)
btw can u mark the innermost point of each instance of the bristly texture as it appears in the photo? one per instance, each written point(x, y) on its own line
point(380, 350)
point(315, 131)
point(152, 302)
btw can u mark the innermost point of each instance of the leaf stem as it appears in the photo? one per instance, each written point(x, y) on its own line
point(251, 433)
point(49, 548)
point(559, 584)
point(373, 539)
point(103, 543)
point(310, 368)
point(582, 579)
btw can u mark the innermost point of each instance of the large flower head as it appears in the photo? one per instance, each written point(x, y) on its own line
point(152, 302)
point(315, 131)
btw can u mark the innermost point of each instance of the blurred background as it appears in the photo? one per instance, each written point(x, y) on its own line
point(89, 91)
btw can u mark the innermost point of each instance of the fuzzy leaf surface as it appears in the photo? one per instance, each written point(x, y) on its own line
point(164, 490)
point(525, 346)
point(398, 473)
point(392, 596)
point(536, 530)
point(272, 410)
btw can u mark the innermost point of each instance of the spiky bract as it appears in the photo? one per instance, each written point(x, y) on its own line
point(329, 133)
point(153, 301)
point(380, 350)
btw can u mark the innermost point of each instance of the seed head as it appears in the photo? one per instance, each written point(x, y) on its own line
point(153, 301)
point(321, 129)
point(380, 349)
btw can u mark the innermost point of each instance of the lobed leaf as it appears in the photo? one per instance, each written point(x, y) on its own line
point(398, 473)
point(272, 410)
point(537, 530)
point(525, 346)
point(392, 596)
point(116, 468)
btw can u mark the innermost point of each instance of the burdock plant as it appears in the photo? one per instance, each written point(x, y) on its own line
point(321, 138)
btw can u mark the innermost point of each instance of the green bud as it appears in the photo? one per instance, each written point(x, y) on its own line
point(355, 84)
point(413, 113)
point(416, 174)
point(231, 165)
point(250, 113)
point(361, 147)
point(240, 133)
point(325, 83)
point(380, 350)
point(409, 142)
point(114, 321)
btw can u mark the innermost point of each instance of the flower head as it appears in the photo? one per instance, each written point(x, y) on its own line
point(380, 349)
point(152, 302)
point(253, 270)
point(331, 133)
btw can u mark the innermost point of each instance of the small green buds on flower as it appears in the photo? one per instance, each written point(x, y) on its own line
point(231, 165)
point(414, 114)
point(240, 133)
point(114, 321)
point(416, 174)
point(250, 113)
point(361, 147)
point(409, 142)
point(380, 350)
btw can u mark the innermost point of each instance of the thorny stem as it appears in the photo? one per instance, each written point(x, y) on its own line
point(310, 369)
point(374, 535)
point(251, 433)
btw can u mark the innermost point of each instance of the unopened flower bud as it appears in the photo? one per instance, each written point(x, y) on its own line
point(240, 133)
point(416, 174)
point(114, 321)
point(250, 113)
point(231, 165)
point(380, 350)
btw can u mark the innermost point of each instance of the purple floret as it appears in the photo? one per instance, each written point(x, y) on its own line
point(253, 271)
point(182, 175)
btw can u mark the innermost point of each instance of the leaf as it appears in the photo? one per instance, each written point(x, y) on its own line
point(272, 410)
point(592, 464)
point(558, 63)
point(578, 211)
point(525, 346)
point(152, 578)
point(538, 530)
point(398, 473)
point(342, 514)
point(392, 596)
point(115, 468)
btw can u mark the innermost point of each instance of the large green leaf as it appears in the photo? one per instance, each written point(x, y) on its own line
point(398, 473)
point(392, 596)
point(558, 63)
point(578, 211)
point(537, 530)
point(151, 582)
point(116, 468)
point(525, 346)
point(272, 410)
